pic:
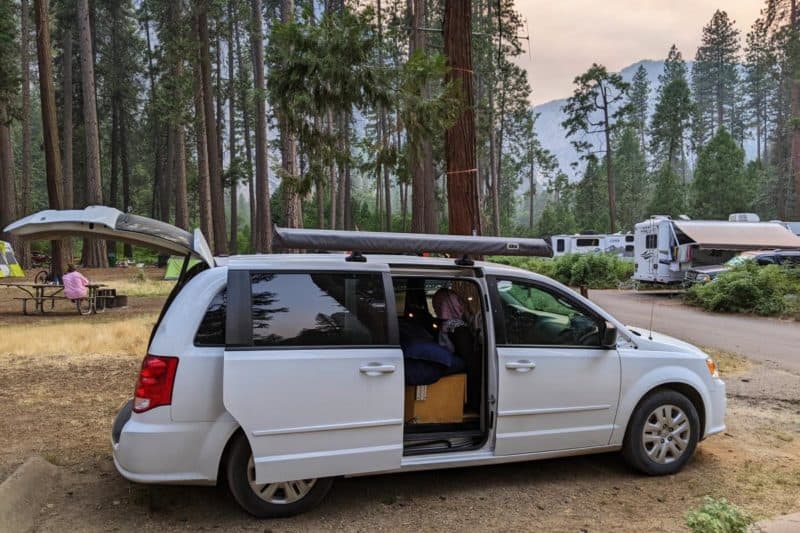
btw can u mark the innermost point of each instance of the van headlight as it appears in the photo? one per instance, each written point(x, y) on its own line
point(712, 367)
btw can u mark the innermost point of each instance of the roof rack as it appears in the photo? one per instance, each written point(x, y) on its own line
point(359, 242)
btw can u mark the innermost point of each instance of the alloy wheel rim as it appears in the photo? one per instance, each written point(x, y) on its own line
point(666, 434)
point(282, 493)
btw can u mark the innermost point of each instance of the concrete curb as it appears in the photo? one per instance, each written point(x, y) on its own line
point(789, 523)
point(24, 493)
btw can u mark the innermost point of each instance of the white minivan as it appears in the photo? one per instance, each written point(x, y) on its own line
point(279, 373)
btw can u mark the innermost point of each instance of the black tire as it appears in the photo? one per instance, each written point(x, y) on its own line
point(236, 472)
point(640, 454)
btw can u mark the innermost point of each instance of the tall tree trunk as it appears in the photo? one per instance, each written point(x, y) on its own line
point(234, 184)
point(165, 186)
point(795, 96)
point(612, 189)
point(334, 190)
point(181, 194)
point(293, 212)
point(214, 174)
point(531, 189)
point(94, 251)
point(8, 195)
point(264, 220)
point(66, 117)
point(25, 178)
point(219, 97)
point(462, 184)
point(49, 125)
point(203, 185)
point(127, 251)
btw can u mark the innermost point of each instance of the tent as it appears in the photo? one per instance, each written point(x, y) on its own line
point(175, 264)
point(9, 268)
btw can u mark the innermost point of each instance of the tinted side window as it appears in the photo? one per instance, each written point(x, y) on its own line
point(560, 245)
point(651, 242)
point(588, 242)
point(325, 309)
point(212, 329)
point(534, 316)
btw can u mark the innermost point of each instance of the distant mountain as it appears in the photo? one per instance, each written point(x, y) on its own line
point(553, 136)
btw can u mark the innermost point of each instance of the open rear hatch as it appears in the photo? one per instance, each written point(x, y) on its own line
point(100, 222)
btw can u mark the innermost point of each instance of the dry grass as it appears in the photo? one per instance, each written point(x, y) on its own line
point(78, 338)
point(147, 287)
point(728, 363)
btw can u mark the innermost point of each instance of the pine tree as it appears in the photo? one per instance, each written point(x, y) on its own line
point(9, 90)
point(638, 98)
point(759, 85)
point(668, 193)
point(715, 81)
point(596, 106)
point(720, 186)
point(632, 179)
point(672, 115)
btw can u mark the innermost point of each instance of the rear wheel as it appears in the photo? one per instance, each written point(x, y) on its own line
point(270, 500)
point(662, 434)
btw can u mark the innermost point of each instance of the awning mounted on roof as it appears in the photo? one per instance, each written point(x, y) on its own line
point(407, 243)
point(738, 236)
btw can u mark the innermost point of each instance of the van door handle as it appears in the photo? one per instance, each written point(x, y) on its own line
point(376, 369)
point(522, 365)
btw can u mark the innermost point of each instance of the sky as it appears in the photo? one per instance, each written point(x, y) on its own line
point(567, 36)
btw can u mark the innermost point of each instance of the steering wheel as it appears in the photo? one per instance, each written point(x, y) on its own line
point(582, 340)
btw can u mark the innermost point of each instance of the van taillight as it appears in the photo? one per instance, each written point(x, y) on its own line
point(154, 386)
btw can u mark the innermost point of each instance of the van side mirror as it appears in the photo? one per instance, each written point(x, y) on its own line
point(609, 336)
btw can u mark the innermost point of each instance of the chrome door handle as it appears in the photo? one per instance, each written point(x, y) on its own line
point(522, 365)
point(376, 369)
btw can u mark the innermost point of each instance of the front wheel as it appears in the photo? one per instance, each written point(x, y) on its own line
point(662, 433)
point(270, 500)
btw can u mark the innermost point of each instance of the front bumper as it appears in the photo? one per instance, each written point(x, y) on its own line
point(715, 412)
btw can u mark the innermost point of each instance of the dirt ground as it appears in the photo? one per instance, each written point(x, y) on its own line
point(61, 405)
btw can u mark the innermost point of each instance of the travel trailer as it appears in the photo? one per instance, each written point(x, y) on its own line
point(666, 249)
point(588, 243)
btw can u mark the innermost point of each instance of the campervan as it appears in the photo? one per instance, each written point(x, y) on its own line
point(666, 249)
point(588, 243)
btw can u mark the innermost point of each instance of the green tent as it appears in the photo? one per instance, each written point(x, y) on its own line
point(175, 264)
point(9, 268)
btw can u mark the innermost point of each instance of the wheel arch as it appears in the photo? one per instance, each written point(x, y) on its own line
point(679, 379)
point(238, 432)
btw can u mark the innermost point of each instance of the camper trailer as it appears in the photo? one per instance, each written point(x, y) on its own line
point(589, 243)
point(665, 249)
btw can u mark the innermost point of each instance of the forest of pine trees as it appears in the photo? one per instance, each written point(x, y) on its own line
point(234, 115)
point(688, 156)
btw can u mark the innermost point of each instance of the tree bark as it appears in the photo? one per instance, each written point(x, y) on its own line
point(293, 213)
point(49, 125)
point(181, 193)
point(332, 177)
point(127, 251)
point(8, 195)
point(264, 219)
point(66, 116)
point(234, 240)
point(25, 177)
point(94, 250)
point(203, 185)
point(462, 185)
point(214, 175)
point(795, 97)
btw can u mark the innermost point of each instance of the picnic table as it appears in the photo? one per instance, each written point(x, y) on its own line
point(42, 294)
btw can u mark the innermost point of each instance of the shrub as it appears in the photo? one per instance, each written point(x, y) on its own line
point(718, 516)
point(597, 271)
point(764, 290)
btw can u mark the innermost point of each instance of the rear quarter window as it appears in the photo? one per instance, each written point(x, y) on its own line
point(212, 328)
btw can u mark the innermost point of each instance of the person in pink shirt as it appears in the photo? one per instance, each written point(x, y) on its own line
point(75, 284)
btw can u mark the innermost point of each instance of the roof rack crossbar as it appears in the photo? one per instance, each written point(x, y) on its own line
point(404, 243)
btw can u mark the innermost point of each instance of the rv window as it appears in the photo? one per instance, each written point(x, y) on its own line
point(560, 245)
point(628, 238)
point(326, 309)
point(651, 242)
point(588, 242)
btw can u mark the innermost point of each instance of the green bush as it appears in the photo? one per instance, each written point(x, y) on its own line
point(597, 271)
point(718, 516)
point(750, 288)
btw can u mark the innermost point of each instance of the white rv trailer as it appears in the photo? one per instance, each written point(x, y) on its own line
point(616, 243)
point(665, 249)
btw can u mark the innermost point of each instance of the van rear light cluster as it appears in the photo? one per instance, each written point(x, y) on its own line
point(154, 386)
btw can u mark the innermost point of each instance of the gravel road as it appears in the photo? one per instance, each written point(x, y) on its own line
point(767, 340)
